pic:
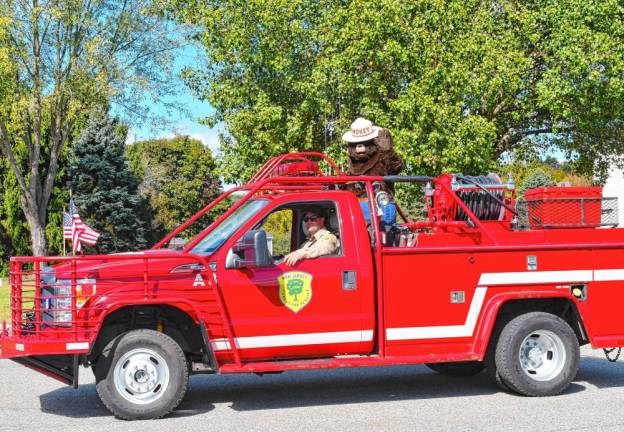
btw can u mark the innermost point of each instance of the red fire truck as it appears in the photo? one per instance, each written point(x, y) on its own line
point(482, 282)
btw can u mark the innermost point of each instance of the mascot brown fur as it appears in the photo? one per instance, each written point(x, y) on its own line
point(375, 157)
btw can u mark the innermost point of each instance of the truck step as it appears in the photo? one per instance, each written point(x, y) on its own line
point(303, 364)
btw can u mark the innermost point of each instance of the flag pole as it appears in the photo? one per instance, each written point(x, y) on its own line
point(73, 249)
point(64, 251)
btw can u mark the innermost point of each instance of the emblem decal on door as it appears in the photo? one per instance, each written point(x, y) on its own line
point(295, 290)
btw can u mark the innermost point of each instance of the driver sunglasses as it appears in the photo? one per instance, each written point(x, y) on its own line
point(310, 218)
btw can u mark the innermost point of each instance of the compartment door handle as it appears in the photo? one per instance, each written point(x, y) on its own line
point(349, 280)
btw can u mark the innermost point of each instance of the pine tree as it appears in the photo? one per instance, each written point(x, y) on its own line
point(538, 178)
point(105, 189)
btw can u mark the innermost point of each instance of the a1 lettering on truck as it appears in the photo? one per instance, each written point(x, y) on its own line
point(482, 283)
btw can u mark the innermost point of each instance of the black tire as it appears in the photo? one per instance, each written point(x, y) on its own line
point(494, 376)
point(556, 359)
point(461, 369)
point(145, 349)
point(490, 363)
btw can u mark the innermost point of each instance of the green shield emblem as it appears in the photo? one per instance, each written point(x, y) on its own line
point(295, 290)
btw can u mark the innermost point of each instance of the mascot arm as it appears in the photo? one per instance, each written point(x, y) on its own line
point(392, 161)
point(384, 140)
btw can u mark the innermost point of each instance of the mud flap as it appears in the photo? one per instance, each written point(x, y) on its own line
point(209, 356)
point(54, 367)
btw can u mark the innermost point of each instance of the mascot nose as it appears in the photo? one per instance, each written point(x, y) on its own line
point(360, 148)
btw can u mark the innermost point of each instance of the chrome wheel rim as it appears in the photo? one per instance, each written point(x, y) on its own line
point(141, 376)
point(542, 355)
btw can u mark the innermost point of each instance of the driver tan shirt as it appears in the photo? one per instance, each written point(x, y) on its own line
point(321, 243)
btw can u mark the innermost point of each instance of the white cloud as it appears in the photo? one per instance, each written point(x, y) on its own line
point(210, 138)
point(131, 138)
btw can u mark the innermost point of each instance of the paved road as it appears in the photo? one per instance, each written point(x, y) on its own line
point(405, 398)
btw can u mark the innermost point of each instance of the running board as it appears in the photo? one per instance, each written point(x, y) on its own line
point(344, 361)
point(301, 364)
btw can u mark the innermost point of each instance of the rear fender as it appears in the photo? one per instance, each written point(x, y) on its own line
point(494, 305)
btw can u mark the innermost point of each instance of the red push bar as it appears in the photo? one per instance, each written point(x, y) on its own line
point(58, 304)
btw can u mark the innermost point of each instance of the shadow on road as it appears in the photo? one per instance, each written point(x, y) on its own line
point(332, 387)
point(246, 392)
point(84, 403)
point(321, 387)
point(601, 373)
point(79, 403)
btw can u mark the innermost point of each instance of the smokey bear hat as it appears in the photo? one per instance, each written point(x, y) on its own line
point(361, 130)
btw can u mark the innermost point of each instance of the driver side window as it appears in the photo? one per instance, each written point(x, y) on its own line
point(278, 226)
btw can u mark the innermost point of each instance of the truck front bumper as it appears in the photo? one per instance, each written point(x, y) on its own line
point(25, 346)
point(58, 359)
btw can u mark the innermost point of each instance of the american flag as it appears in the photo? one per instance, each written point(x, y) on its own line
point(75, 230)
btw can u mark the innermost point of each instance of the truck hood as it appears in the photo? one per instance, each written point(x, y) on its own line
point(125, 265)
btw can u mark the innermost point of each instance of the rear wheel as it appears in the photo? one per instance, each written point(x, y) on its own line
point(141, 374)
point(492, 373)
point(490, 363)
point(467, 368)
point(537, 354)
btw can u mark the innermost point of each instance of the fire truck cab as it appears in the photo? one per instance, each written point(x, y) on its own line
point(484, 283)
point(319, 307)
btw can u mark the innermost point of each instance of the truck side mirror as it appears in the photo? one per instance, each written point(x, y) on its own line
point(250, 251)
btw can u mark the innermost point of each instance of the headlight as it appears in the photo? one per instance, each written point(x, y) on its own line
point(48, 275)
point(56, 302)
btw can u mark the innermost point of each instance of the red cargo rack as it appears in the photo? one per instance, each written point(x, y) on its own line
point(564, 207)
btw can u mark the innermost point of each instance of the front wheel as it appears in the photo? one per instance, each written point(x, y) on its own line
point(141, 374)
point(537, 354)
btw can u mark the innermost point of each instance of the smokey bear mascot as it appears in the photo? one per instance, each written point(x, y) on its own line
point(371, 153)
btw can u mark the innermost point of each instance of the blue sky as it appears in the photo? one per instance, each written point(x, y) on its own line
point(181, 123)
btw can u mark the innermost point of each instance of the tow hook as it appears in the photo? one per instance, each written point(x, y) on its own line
point(608, 352)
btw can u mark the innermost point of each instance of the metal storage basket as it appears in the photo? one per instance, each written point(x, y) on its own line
point(548, 213)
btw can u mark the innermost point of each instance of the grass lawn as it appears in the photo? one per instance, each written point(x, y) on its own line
point(5, 291)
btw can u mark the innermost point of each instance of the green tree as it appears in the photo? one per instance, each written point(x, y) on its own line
point(105, 189)
point(14, 231)
point(6, 248)
point(58, 60)
point(177, 176)
point(538, 177)
point(458, 82)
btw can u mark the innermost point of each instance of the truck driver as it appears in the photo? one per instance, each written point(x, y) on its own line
point(320, 241)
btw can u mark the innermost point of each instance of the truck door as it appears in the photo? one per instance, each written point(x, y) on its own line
point(318, 307)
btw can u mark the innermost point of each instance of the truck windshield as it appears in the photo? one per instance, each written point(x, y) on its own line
point(228, 227)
